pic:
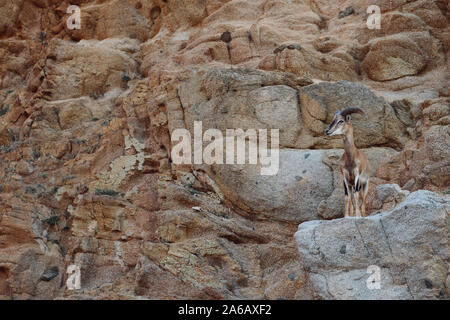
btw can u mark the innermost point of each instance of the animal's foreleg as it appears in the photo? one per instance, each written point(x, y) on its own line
point(357, 189)
point(352, 201)
point(346, 199)
point(347, 206)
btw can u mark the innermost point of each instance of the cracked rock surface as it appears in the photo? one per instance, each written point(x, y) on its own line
point(409, 245)
point(87, 176)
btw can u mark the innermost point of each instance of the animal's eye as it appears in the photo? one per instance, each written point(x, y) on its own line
point(340, 121)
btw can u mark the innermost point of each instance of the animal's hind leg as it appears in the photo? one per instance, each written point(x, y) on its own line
point(350, 204)
point(357, 202)
point(357, 190)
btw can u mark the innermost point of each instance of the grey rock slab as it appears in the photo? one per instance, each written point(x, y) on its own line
point(410, 245)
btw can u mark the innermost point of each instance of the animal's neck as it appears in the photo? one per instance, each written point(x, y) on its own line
point(349, 143)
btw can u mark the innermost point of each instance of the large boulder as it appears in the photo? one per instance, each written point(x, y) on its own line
point(9, 13)
point(396, 56)
point(409, 246)
point(307, 181)
point(241, 98)
point(425, 167)
point(115, 19)
point(17, 57)
point(227, 98)
point(305, 61)
point(392, 23)
point(307, 185)
point(72, 69)
point(428, 11)
point(293, 194)
point(381, 127)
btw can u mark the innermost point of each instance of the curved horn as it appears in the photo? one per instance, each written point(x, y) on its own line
point(350, 110)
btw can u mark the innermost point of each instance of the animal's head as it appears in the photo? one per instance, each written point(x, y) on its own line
point(341, 121)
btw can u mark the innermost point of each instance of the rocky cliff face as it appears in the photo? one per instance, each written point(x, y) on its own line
point(87, 179)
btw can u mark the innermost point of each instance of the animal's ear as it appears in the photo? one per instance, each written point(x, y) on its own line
point(347, 118)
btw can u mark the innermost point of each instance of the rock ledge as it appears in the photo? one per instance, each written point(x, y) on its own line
point(409, 244)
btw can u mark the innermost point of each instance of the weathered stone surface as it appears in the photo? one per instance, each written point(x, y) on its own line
point(116, 19)
point(390, 195)
point(306, 62)
point(381, 127)
point(72, 70)
point(394, 23)
point(73, 114)
point(423, 166)
point(9, 14)
point(86, 116)
point(246, 99)
point(24, 168)
point(428, 11)
point(397, 56)
point(409, 244)
point(302, 177)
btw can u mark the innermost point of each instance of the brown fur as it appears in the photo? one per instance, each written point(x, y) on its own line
point(355, 168)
